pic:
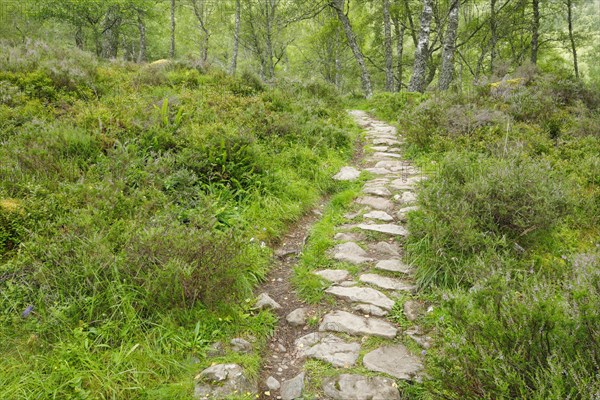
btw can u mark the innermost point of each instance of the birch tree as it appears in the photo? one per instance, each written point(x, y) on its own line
point(569, 5)
point(387, 44)
point(236, 37)
point(172, 50)
point(418, 78)
point(202, 11)
point(339, 7)
point(447, 70)
point(535, 31)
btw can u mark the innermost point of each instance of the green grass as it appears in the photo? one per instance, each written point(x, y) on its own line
point(137, 204)
point(310, 286)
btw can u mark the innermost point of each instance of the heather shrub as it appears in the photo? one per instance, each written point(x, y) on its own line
point(476, 206)
point(390, 105)
point(519, 335)
point(134, 222)
point(12, 223)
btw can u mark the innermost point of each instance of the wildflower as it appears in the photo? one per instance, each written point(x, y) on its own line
point(27, 312)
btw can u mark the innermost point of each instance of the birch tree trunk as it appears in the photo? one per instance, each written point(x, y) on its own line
point(201, 13)
point(338, 6)
point(494, 34)
point(142, 29)
point(236, 37)
point(447, 71)
point(79, 37)
point(418, 79)
point(172, 51)
point(535, 31)
point(389, 56)
point(569, 4)
point(399, 28)
point(269, 13)
point(111, 32)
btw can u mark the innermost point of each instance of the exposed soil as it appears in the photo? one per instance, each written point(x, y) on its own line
point(279, 358)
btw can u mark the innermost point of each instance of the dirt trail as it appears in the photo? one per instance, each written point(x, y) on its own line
point(370, 240)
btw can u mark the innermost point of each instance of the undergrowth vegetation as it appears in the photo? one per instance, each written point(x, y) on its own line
point(507, 234)
point(135, 205)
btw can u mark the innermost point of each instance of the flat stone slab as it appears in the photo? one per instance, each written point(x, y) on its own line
point(348, 236)
point(393, 360)
point(403, 213)
point(413, 310)
point(350, 252)
point(392, 164)
point(385, 249)
point(393, 266)
point(378, 171)
point(222, 380)
point(390, 229)
point(328, 348)
point(380, 148)
point(380, 191)
point(333, 275)
point(297, 317)
point(397, 166)
point(383, 155)
point(375, 202)
point(379, 215)
point(406, 183)
point(370, 309)
point(342, 321)
point(359, 387)
point(264, 301)
point(385, 141)
point(272, 383)
point(409, 197)
point(292, 388)
point(347, 174)
point(362, 295)
point(385, 282)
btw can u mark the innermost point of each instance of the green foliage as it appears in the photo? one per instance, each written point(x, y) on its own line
point(536, 337)
point(135, 203)
point(492, 203)
point(506, 237)
point(389, 105)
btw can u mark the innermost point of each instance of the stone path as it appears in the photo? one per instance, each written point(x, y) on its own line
point(367, 280)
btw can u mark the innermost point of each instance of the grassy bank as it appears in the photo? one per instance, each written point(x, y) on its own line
point(136, 206)
point(506, 239)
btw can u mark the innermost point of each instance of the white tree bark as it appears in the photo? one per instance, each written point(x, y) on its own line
point(172, 51)
point(389, 56)
point(236, 37)
point(142, 29)
point(569, 4)
point(447, 71)
point(399, 29)
point(418, 79)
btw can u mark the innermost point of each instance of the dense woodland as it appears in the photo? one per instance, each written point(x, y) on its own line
point(390, 44)
point(130, 129)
